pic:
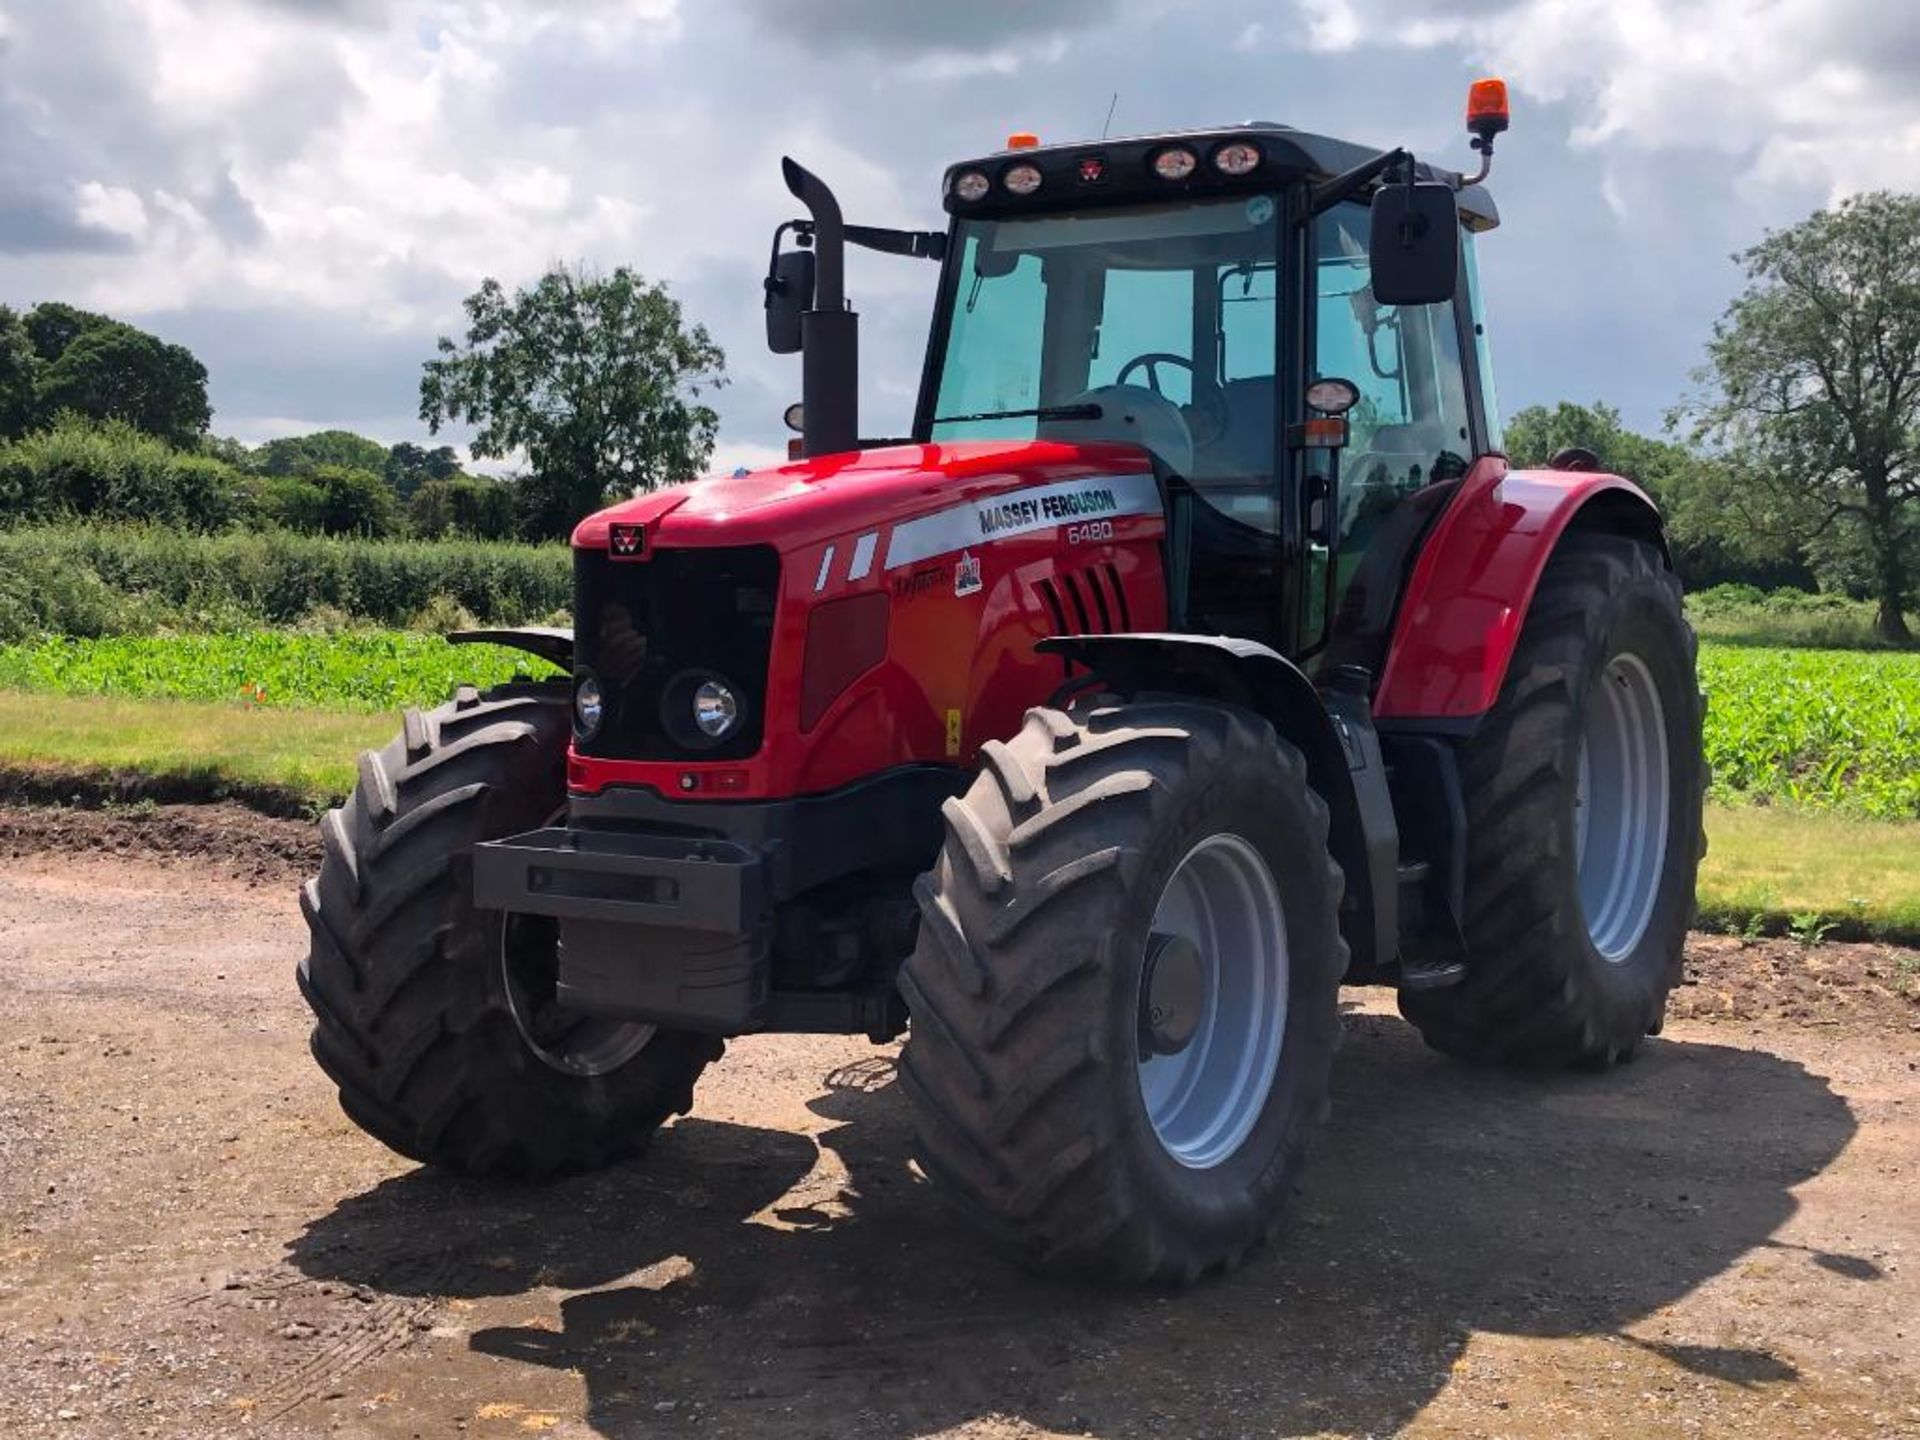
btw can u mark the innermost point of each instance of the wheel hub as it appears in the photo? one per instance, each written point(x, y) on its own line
point(1212, 1002)
point(1173, 994)
point(1621, 806)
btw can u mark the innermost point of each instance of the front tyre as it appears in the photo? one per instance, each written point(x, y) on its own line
point(1584, 789)
point(437, 1019)
point(1124, 998)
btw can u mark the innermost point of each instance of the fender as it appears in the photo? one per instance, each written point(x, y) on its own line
point(1475, 578)
point(550, 643)
point(1334, 732)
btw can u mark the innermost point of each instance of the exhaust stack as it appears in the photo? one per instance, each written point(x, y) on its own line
point(829, 332)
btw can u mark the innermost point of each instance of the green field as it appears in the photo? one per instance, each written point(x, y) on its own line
point(1816, 754)
point(1830, 730)
point(365, 670)
point(1814, 729)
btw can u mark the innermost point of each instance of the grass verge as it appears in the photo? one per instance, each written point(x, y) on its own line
point(1767, 870)
point(282, 762)
point(1777, 872)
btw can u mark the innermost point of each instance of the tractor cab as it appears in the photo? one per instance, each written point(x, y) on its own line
point(1212, 297)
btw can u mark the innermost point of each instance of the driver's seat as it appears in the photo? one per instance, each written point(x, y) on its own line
point(1244, 449)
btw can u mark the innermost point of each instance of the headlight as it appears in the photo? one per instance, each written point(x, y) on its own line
point(1022, 179)
point(589, 709)
point(971, 185)
point(715, 710)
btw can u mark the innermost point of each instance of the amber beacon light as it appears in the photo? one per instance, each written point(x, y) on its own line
point(1487, 109)
point(1486, 117)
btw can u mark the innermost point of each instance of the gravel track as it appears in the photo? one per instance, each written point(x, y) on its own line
point(1721, 1238)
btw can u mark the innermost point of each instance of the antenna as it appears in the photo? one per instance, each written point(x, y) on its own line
point(1109, 125)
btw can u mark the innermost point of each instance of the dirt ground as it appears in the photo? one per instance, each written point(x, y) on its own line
point(1723, 1237)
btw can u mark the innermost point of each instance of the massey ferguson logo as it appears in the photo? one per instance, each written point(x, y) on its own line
point(626, 541)
point(966, 574)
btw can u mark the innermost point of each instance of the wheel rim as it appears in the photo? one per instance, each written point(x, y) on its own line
point(1620, 806)
point(566, 1040)
point(1212, 1002)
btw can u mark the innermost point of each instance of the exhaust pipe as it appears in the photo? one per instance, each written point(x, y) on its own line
point(829, 332)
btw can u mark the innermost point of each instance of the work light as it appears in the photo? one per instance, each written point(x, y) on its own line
point(971, 185)
point(1176, 162)
point(1022, 179)
point(1236, 159)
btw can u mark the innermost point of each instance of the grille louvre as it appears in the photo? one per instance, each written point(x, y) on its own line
point(1086, 602)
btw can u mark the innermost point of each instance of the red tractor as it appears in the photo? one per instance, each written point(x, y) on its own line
point(1199, 652)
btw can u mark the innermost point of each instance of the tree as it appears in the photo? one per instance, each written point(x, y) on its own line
point(1709, 546)
point(1534, 435)
point(303, 454)
point(53, 325)
point(17, 366)
point(469, 505)
point(1811, 391)
point(332, 500)
point(106, 370)
point(409, 466)
point(596, 379)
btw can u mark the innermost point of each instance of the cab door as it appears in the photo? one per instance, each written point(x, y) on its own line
point(1412, 436)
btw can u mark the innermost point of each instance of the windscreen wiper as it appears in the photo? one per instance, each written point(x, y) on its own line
point(1087, 410)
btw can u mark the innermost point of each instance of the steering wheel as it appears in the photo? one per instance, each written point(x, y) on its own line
point(1151, 363)
point(1209, 406)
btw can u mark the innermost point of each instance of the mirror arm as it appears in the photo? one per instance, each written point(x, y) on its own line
point(1346, 185)
point(917, 244)
point(802, 232)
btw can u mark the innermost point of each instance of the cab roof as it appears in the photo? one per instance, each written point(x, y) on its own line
point(1124, 171)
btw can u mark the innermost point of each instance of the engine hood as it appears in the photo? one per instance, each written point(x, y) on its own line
point(792, 506)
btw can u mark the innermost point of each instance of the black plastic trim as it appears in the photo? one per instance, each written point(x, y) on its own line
point(550, 643)
point(890, 821)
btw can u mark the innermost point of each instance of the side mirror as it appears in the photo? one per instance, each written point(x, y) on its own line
point(1415, 245)
point(789, 296)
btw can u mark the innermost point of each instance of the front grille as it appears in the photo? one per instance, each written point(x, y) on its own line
point(643, 626)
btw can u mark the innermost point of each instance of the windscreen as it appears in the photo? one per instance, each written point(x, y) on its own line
point(1155, 325)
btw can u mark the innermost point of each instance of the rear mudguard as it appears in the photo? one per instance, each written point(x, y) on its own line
point(1333, 731)
point(550, 643)
point(1474, 580)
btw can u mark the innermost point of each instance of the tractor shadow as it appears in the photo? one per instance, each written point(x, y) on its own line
point(1441, 1201)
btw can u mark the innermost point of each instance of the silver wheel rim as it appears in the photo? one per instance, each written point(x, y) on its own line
point(1620, 806)
point(565, 1040)
point(1206, 1067)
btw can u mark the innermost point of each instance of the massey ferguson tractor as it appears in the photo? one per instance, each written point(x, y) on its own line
point(1198, 652)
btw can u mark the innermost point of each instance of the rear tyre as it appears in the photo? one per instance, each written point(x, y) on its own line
point(435, 1019)
point(1124, 997)
point(1584, 794)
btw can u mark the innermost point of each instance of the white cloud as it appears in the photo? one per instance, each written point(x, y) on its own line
point(1798, 92)
point(111, 208)
point(305, 192)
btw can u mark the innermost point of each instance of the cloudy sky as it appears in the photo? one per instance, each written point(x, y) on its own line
point(303, 190)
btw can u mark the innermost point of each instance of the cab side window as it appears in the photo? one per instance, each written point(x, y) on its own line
point(1409, 430)
point(1410, 427)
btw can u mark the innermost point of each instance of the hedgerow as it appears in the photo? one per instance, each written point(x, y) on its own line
point(101, 580)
